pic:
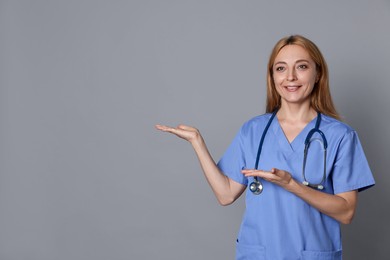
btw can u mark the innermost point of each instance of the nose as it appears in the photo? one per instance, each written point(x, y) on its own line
point(291, 76)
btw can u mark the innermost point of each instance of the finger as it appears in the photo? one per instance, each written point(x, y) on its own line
point(247, 171)
point(251, 170)
point(185, 127)
point(258, 173)
point(159, 127)
point(169, 129)
point(277, 172)
point(174, 130)
point(163, 127)
point(184, 134)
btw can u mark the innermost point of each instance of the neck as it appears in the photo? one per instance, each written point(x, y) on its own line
point(296, 113)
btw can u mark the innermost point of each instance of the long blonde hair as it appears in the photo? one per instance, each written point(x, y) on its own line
point(321, 99)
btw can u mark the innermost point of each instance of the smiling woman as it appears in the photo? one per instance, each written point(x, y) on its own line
point(294, 75)
point(308, 58)
point(292, 218)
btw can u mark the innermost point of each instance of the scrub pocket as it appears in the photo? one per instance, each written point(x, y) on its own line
point(249, 252)
point(321, 255)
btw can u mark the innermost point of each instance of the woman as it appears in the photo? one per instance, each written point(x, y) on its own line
point(304, 198)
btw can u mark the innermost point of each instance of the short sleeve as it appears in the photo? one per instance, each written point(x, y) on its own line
point(233, 161)
point(351, 170)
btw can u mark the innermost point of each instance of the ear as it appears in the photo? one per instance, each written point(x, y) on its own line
point(318, 77)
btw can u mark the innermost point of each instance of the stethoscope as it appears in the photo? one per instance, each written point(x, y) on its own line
point(256, 187)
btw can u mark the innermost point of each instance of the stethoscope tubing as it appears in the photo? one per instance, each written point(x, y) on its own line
point(256, 187)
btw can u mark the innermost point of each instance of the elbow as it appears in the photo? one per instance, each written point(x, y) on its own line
point(225, 201)
point(346, 221)
point(347, 218)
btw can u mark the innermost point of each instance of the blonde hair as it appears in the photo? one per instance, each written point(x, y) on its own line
point(321, 99)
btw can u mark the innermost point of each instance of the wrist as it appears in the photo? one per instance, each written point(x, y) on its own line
point(293, 185)
point(197, 142)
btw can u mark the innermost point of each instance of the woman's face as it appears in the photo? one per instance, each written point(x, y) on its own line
point(294, 74)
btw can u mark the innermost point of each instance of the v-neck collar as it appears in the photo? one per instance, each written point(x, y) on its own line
point(298, 141)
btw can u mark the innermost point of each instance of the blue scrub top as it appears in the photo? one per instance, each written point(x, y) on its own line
point(277, 224)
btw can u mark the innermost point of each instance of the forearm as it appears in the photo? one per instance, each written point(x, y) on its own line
point(225, 192)
point(340, 206)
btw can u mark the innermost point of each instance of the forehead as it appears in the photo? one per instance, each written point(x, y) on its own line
point(292, 53)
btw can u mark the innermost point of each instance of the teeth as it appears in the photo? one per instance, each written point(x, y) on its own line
point(292, 88)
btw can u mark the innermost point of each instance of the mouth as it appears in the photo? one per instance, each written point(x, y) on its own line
point(292, 88)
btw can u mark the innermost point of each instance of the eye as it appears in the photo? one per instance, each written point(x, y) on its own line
point(303, 66)
point(279, 68)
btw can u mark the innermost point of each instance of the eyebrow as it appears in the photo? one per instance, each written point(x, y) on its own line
point(283, 62)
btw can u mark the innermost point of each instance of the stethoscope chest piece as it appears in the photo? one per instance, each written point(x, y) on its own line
point(256, 187)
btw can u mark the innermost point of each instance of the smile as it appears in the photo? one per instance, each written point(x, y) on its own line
point(292, 88)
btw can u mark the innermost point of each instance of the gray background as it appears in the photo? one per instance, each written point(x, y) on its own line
point(83, 172)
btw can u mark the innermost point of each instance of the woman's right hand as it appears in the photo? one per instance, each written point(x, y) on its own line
point(188, 133)
point(225, 189)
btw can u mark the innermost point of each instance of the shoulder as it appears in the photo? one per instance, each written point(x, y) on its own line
point(336, 129)
point(255, 124)
point(330, 123)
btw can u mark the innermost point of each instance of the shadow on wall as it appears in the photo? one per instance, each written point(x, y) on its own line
point(364, 109)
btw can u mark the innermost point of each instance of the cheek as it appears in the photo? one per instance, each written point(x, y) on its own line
point(308, 79)
point(277, 80)
point(278, 85)
point(314, 78)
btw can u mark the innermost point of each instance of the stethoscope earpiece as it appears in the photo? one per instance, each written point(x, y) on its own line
point(314, 186)
point(256, 187)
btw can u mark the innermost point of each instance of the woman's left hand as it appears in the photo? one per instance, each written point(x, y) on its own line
point(339, 206)
point(279, 177)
